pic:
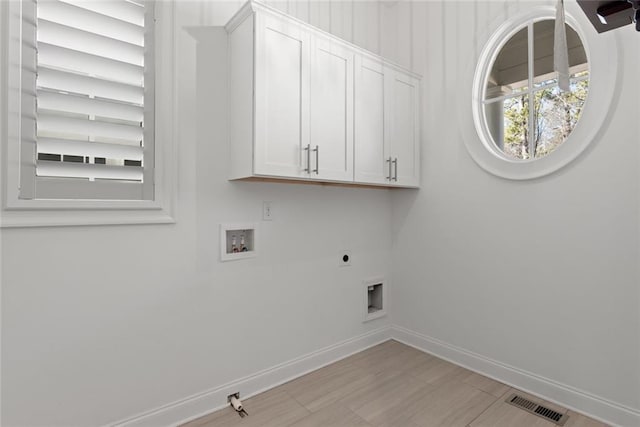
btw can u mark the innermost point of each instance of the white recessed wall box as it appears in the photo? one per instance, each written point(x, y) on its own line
point(237, 241)
point(375, 298)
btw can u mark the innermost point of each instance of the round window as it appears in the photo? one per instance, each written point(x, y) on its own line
point(524, 110)
point(528, 127)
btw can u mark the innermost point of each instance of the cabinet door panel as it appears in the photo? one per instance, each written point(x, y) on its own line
point(371, 152)
point(405, 138)
point(331, 110)
point(282, 96)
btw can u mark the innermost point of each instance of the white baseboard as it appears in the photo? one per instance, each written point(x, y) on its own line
point(198, 405)
point(570, 397)
point(208, 401)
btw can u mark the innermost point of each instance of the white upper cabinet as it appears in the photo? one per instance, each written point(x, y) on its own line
point(282, 58)
point(331, 147)
point(387, 127)
point(372, 158)
point(306, 105)
point(404, 129)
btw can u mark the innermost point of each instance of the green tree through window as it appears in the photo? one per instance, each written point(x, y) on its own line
point(555, 115)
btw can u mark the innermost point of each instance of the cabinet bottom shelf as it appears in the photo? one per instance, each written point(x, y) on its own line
point(321, 183)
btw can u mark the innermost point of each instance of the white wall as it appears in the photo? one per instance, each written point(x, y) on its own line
point(102, 323)
point(540, 275)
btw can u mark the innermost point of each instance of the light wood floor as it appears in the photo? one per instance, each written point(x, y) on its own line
point(390, 384)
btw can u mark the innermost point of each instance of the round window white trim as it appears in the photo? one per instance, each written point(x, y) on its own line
point(602, 54)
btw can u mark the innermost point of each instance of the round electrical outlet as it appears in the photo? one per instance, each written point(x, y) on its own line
point(345, 258)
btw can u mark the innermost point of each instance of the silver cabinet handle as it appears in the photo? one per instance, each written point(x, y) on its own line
point(395, 175)
point(317, 169)
point(308, 150)
point(389, 162)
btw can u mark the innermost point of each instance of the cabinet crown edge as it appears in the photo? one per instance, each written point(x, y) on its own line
point(253, 6)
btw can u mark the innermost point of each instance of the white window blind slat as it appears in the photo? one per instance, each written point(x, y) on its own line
point(76, 83)
point(53, 124)
point(92, 149)
point(87, 20)
point(93, 75)
point(85, 41)
point(128, 11)
point(89, 106)
point(88, 171)
point(62, 58)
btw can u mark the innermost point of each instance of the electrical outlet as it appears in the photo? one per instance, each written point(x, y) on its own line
point(267, 211)
point(345, 258)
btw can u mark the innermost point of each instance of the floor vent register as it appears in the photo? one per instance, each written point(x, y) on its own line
point(539, 410)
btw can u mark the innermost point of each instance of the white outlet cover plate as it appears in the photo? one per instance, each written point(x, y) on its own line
point(267, 211)
point(341, 260)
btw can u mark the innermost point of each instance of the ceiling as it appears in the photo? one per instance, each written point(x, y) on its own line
point(511, 65)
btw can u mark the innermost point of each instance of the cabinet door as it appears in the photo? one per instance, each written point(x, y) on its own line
point(403, 113)
point(331, 131)
point(281, 97)
point(371, 132)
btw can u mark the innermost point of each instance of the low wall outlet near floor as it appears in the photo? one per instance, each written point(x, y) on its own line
point(375, 296)
point(237, 241)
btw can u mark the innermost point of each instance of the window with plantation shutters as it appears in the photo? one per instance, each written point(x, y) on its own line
point(94, 93)
point(79, 137)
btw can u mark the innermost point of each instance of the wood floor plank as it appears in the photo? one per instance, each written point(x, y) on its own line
point(579, 420)
point(454, 404)
point(323, 388)
point(394, 356)
point(387, 394)
point(485, 384)
point(438, 372)
point(336, 415)
point(400, 413)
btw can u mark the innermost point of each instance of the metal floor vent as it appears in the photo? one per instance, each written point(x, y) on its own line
point(539, 410)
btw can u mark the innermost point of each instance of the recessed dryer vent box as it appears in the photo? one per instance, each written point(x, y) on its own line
point(375, 295)
point(237, 241)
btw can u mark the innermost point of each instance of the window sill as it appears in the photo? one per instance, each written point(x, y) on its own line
point(65, 218)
